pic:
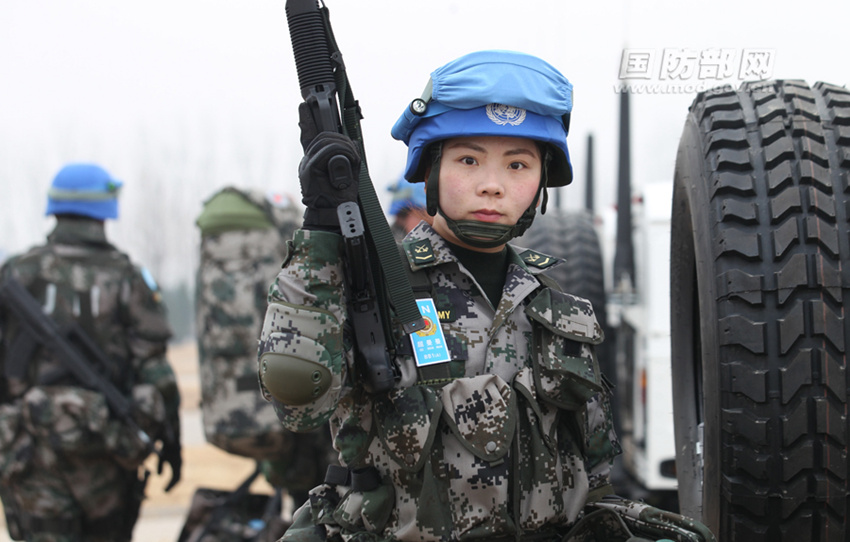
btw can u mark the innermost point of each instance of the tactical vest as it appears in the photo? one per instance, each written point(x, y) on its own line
point(446, 442)
point(86, 287)
point(78, 285)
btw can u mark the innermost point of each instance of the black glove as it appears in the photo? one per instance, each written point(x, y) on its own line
point(171, 453)
point(329, 176)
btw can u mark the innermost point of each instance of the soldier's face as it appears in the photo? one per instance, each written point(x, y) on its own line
point(487, 179)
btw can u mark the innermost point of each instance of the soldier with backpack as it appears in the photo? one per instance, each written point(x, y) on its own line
point(244, 233)
point(70, 469)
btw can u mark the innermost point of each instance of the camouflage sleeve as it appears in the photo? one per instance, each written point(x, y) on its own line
point(602, 444)
point(148, 336)
point(149, 331)
point(302, 334)
point(158, 372)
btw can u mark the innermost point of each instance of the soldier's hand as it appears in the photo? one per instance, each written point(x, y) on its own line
point(171, 453)
point(329, 176)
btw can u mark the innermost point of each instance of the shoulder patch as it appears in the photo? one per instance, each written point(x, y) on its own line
point(151, 283)
point(538, 259)
point(420, 252)
point(148, 278)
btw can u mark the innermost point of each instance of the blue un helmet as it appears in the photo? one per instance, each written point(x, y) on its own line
point(406, 195)
point(84, 189)
point(489, 93)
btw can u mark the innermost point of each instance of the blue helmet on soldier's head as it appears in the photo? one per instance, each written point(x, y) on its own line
point(406, 195)
point(84, 189)
point(491, 93)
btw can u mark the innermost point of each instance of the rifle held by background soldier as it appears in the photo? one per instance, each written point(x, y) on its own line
point(75, 350)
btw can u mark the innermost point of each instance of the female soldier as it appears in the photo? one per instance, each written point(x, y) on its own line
point(498, 426)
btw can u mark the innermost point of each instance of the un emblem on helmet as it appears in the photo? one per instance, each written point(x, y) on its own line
point(505, 114)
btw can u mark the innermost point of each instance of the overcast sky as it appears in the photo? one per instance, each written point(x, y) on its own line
point(181, 97)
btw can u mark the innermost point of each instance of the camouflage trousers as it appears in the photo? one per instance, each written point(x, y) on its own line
point(64, 498)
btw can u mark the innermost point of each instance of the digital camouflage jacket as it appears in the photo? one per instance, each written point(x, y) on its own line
point(513, 435)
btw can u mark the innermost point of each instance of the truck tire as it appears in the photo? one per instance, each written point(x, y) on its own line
point(571, 235)
point(760, 270)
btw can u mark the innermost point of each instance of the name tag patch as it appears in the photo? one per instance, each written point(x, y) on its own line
point(429, 344)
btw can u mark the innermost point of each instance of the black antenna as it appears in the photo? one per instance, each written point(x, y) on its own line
point(589, 181)
point(624, 261)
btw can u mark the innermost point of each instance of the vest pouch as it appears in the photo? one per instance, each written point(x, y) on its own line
point(481, 413)
point(408, 425)
point(333, 512)
point(480, 416)
point(68, 419)
point(564, 330)
point(122, 442)
point(366, 510)
point(16, 445)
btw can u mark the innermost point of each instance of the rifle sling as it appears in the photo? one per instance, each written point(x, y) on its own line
point(422, 287)
point(19, 354)
point(389, 263)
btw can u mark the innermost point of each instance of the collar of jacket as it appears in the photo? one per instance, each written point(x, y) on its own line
point(78, 231)
point(443, 254)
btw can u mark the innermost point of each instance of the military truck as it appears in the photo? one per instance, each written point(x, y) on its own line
point(728, 311)
point(759, 278)
point(759, 256)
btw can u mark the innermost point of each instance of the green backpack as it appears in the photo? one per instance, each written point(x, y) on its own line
point(243, 242)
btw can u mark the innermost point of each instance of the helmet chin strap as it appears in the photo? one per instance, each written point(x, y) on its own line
point(473, 232)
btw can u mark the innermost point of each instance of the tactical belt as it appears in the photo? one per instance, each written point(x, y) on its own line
point(360, 479)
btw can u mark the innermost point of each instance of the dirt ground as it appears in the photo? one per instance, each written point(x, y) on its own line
point(204, 465)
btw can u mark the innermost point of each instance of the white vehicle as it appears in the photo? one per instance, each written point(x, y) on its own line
point(639, 314)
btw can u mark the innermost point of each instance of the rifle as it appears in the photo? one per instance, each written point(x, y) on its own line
point(375, 275)
point(74, 348)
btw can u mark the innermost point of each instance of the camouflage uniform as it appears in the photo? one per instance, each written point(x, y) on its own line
point(70, 469)
point(243, 244)
point(511, 437)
